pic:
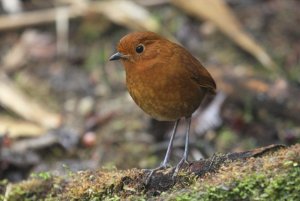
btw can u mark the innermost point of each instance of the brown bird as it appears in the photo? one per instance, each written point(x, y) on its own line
point(165, 81)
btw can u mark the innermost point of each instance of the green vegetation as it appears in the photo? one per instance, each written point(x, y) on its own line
point(41, 175)
point(285, 186)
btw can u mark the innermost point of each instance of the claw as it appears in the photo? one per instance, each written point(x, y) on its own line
point(178, 166)
point(148, 179)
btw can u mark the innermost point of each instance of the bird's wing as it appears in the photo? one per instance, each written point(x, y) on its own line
point(197, 71)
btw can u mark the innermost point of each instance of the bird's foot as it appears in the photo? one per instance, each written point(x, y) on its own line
point(152, 171)
point(178, 166)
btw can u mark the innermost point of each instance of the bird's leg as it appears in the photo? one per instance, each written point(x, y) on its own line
point(165, 162)
point(186, 147)
point(168, 153)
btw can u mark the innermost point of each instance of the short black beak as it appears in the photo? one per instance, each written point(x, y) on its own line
point(116, 56)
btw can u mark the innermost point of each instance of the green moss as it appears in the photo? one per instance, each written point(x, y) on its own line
point(29, 190)
point(41, 175)
point(36, 188)
point(260, 186)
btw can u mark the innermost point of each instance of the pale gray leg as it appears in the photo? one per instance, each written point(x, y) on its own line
point(165, 162)
point(168, 153)
point(186, 147)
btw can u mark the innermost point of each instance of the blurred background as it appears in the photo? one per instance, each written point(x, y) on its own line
point(64, 106)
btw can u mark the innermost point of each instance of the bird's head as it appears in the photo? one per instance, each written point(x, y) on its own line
point(140, 49)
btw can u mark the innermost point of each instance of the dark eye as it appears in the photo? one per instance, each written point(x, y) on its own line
point(140, 48)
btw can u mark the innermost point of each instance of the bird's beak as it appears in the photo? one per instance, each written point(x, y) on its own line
point(116, 56)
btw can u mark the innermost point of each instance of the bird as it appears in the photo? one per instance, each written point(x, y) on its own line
point(166, 81)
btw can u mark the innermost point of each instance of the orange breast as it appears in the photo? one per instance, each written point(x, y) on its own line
point(163, 94)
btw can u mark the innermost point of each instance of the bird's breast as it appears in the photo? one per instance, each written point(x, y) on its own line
point(164, 95)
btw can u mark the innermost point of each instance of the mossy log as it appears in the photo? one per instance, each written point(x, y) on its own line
point(268, 173)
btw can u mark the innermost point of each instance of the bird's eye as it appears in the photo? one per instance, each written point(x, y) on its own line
point(140, 48)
